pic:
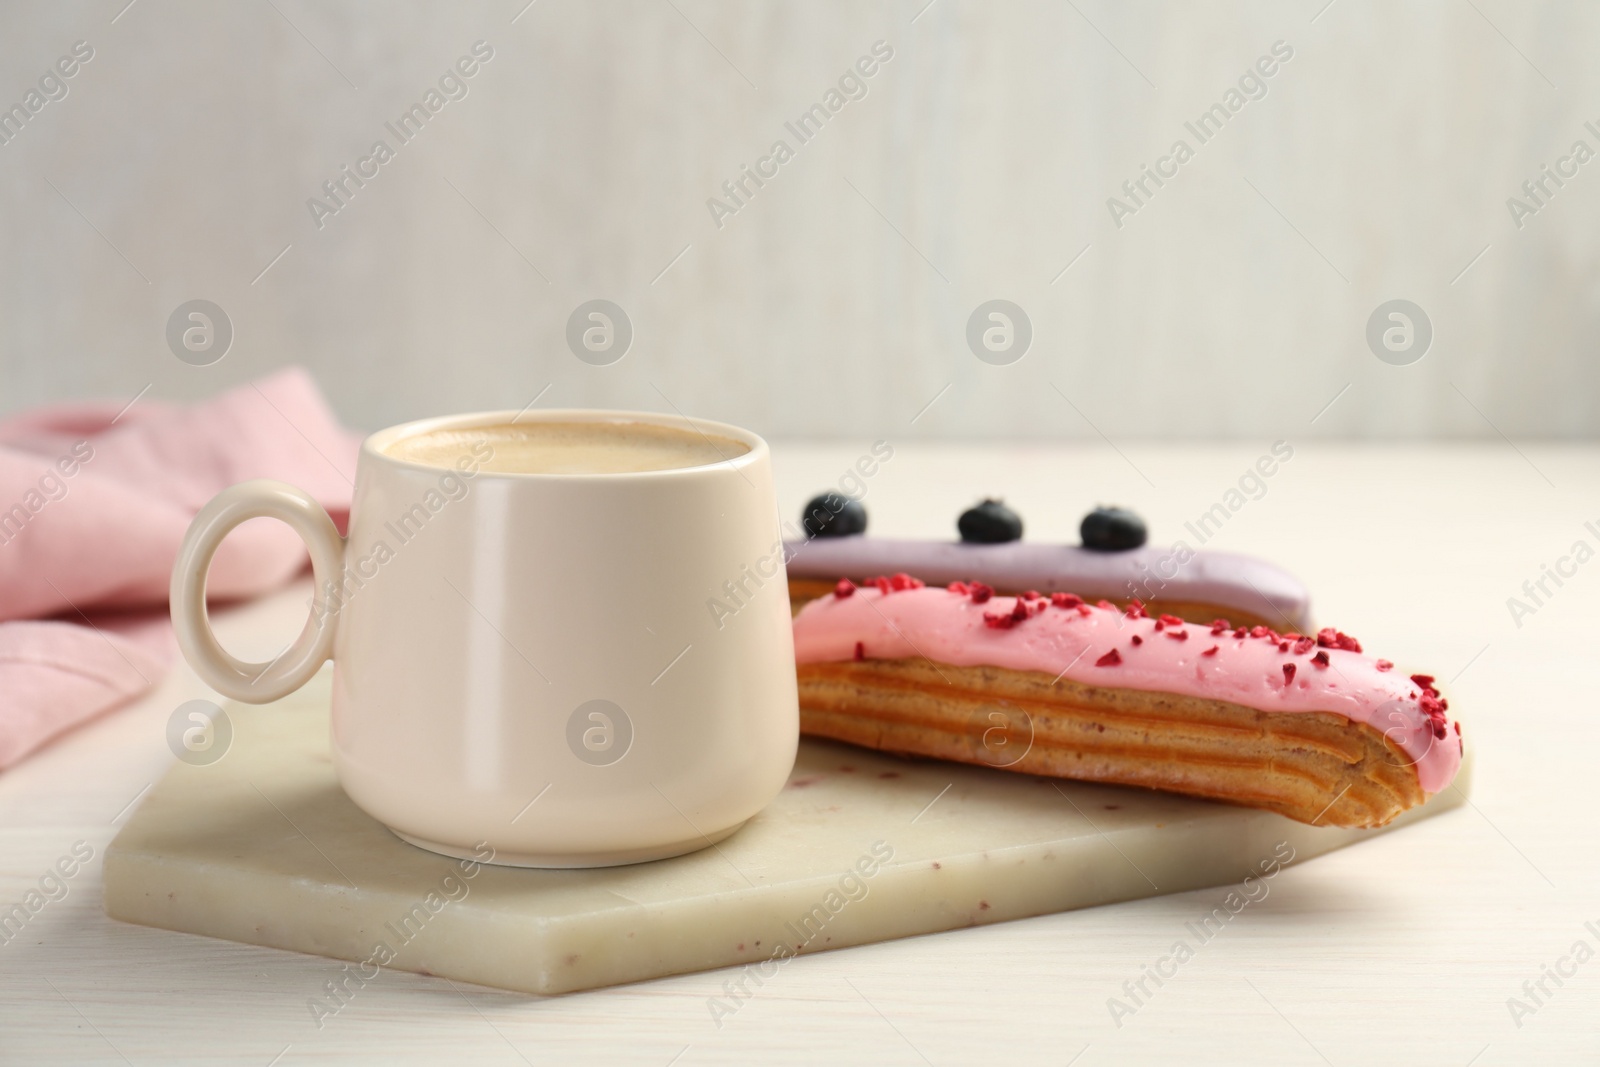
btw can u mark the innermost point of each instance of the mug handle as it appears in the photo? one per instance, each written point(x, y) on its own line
point(253, 683)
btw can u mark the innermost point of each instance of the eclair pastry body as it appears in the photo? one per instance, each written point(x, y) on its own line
point(1284, 722)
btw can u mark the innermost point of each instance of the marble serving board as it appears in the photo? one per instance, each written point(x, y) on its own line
point(263, 847)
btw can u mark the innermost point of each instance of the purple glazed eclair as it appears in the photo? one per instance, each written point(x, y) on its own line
point(1112, 564)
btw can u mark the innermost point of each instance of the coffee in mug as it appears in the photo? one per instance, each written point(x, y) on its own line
point(568, 448)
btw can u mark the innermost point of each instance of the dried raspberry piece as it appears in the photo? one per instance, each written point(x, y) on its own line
point(1031, 594)
point(1066, 600)
point(1241, 632)
point(981, 593)
point(1108, 605)
point(1219, 625)
point(1138, 640)
point(1005, 620)
point(883, 585)
point(844, 589)
point(1172, 620)
point(1110, 659)
point(1328, 637)
point(1423, 681)
point(1283, 646)
point(1385, 665)
point(1288, 673)
point(1303, 645)
point(1084, 609)
point(861, 650)
point(903, 581)
point(1320, 659)
point(958, 587)
point(1178, 635)
point(1212, 651)
point(1262, 631)
point(1136, 609)
point(1160, 626)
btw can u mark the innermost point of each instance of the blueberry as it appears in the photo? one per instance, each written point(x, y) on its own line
point(834, 515)
point(990, 523)
point(1112, 530)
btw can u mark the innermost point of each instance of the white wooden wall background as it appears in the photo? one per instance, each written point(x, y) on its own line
point(834, 303)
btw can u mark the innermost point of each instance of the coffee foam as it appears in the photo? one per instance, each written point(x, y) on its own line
point(536, 447)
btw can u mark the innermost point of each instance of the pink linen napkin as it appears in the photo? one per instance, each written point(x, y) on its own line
point(94, 501)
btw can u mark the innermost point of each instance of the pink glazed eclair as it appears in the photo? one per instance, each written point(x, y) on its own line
point(1308, 726)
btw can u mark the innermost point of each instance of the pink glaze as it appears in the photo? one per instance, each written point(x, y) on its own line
point(949, 627)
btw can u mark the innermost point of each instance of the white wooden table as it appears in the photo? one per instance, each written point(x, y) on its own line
point(1402, 950)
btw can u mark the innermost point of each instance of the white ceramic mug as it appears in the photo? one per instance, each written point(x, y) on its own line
point(528, 660)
